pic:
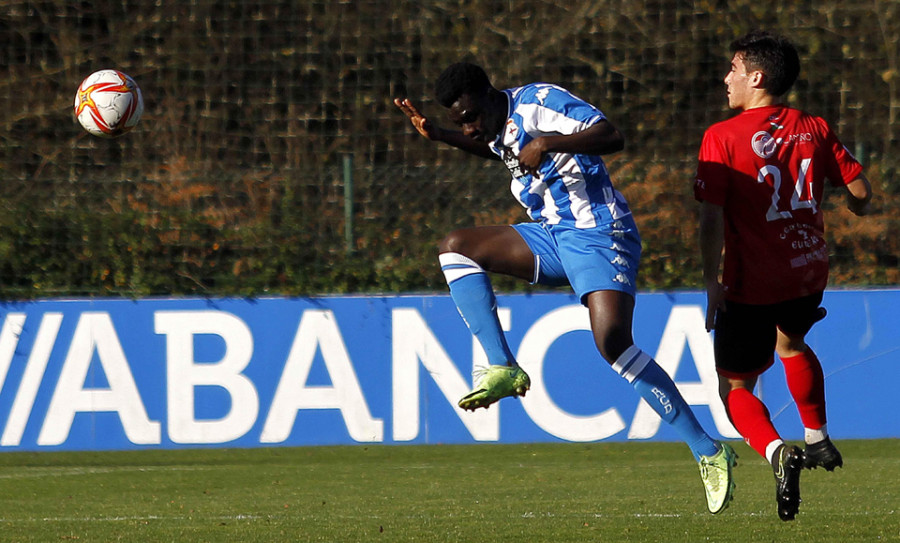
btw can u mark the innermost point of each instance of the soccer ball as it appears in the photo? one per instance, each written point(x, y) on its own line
point(108, 103)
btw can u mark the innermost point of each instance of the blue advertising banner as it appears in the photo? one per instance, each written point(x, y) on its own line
point(169, 373)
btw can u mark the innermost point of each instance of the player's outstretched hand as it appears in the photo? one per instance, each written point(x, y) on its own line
point(419, 121)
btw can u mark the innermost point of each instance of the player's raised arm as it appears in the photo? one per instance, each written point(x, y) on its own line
point(420, 122)
point(432, 132)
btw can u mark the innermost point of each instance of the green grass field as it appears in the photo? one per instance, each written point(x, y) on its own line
point(518, 493)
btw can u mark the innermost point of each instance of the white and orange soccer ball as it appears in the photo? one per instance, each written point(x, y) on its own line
point(108, 103)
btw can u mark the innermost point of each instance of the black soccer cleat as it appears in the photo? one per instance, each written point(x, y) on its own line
point(824, 454)
point(787, 468)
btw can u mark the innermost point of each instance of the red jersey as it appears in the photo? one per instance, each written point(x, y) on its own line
point(767, 168)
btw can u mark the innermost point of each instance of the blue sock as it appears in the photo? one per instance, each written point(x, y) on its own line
point(658, 389)
point(471, 290)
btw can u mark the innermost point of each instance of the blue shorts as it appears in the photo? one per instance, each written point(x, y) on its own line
point(601, 258)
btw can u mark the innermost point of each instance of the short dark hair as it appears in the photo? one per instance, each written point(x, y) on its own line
point(458, 79)
point(773, 55)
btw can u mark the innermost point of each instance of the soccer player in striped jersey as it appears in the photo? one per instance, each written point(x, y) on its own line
point(581, 234)
point(761, 179)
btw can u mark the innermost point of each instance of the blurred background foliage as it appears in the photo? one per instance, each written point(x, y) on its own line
point(267, 121)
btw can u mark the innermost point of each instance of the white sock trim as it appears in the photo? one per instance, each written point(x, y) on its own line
point(812, 436)
point(631, 363)
point(456, 266)
point(771, 448)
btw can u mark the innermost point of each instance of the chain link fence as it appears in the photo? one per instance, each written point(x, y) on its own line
point(271, 160)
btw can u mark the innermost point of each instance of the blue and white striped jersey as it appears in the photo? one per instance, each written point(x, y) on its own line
point(571, 189)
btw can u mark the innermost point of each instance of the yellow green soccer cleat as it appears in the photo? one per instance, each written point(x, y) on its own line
point(715, 471)
point(493, 383)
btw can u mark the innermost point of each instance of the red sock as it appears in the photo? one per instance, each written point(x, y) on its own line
point(806, 382)
point(751, 418)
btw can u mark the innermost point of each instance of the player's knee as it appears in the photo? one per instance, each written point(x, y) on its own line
point(789, 345)
point(612, 343)
point(454, 242)
point(462, 242)
point(724, 391)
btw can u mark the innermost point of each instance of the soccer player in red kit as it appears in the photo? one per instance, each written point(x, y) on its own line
point(760, 180)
